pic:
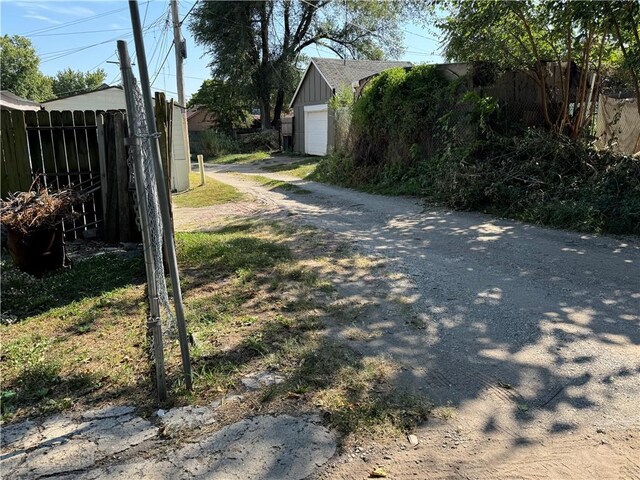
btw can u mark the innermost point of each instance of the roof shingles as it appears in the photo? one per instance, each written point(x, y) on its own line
point(340, 72)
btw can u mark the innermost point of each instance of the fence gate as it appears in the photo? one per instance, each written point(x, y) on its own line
point(80, 149)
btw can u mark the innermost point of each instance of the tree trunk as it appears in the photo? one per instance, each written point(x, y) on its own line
point(265, 114)
point(277, 109)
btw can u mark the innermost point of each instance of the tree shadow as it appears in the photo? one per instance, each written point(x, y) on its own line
point(551, 315)
point(24, 296)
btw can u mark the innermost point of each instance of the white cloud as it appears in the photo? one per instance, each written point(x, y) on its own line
point(43, 18)
point(60, 9)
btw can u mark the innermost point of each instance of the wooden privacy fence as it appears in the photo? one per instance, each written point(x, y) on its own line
point(80, 149)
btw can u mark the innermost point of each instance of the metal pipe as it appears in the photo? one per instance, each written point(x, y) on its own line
point(162, 192)
point(153, 322)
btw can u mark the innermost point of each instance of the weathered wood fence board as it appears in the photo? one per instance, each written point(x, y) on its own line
point(66, 149)
point(16, 169)
point(120, 214)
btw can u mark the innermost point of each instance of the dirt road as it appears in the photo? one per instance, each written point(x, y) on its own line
point(531, 335)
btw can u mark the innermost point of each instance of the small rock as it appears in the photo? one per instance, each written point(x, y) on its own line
point(413, 440)
point(378, 473)
point(161, 413)
point(261, 379)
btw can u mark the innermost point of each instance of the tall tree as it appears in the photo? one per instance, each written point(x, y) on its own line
point(230, 109)
point(19, 69)
point(254, 45)
point(70, 81)
point(548, 39)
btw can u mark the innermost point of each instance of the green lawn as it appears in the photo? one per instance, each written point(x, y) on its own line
point(254, 295)
point(271, 184)
point(213, 192)
point(302, 169)
point(240, 158)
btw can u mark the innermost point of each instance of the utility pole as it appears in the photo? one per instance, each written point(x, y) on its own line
point(180, 50)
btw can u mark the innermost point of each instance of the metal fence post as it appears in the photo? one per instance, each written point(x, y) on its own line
point(153, 322)
point(163, 198)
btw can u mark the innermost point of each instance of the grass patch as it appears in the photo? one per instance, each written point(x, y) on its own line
point(79, 336)
point(302, 169)
point(277, 185)
point(239, 158)
point(256, 295)
point(225, 252)
point(24, 296)
point(213, 192)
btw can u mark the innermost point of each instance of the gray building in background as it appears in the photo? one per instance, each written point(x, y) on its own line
point(313, 121)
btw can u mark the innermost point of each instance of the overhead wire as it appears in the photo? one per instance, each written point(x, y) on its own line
point(188, 13)
point(54, 55)
point(72, 22)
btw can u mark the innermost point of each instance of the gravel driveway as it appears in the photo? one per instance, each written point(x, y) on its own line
point(532, 335)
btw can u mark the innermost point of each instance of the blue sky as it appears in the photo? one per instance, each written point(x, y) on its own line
point(82, 35)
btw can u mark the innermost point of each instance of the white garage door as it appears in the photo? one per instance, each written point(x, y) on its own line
point(316, 130)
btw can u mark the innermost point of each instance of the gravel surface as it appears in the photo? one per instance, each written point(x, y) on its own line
point(530, 333)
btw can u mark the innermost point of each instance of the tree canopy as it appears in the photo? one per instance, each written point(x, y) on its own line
point(254, 45)
point(596, 37)
point(20, 69)
point(70, 81)
point(230, 108)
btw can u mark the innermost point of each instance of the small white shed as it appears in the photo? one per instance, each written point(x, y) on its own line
point(112, 98)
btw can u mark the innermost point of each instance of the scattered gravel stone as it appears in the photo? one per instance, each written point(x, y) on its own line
point(190, 417)
point(258, 380)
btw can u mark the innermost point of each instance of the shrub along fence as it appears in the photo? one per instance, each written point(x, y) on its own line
point(80, 149)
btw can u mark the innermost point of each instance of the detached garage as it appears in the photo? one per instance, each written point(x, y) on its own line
point(313, 122)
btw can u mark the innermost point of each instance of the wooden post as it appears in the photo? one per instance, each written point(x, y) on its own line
point(201, 167)
point(162, 125)
point(102, 159)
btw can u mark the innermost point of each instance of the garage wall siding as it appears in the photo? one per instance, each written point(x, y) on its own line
point(314, 91)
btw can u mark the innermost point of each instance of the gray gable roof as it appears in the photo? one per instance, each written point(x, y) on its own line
point(338, 72)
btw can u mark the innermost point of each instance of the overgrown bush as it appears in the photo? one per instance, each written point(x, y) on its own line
point(416, 134)
point(536, 177)
point(264, 140)
point(212, 143)
point(398, 117)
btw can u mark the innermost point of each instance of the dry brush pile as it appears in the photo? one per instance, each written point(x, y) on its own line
point(39, 209)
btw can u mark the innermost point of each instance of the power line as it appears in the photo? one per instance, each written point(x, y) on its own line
point(78, 33)
point(50, 56)
point(73, 22)
point(185, 17)
point(163, 62)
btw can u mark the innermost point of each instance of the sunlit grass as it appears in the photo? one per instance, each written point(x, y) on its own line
point(302, 169)
point(255, 296)
point(239, 158)
point(271, 184)
point(213, 192)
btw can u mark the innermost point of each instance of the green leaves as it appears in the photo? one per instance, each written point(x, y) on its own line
point(20, 69)
point(68, 81)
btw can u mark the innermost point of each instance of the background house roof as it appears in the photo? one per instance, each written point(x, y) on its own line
point(338, 72)
point(11, 101)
